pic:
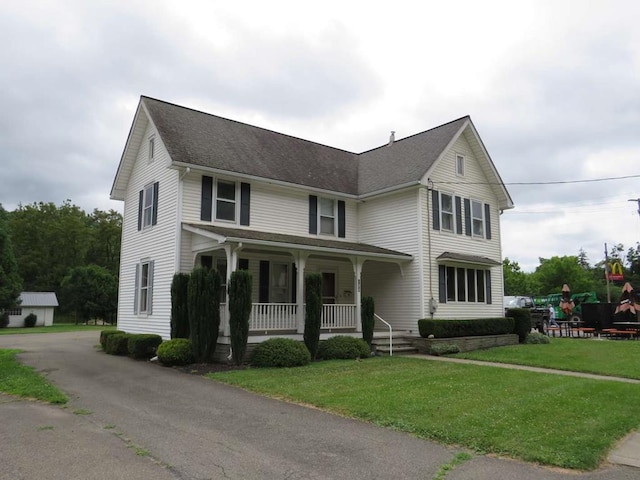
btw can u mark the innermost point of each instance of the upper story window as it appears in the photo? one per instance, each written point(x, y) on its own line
point(327, 217)
point(460, 165)
point(152, 148)
point(226, 201)
point(446, 211)
point(148, 206)
point(477, 220)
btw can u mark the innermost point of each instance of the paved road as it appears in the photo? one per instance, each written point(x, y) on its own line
point(150, 422)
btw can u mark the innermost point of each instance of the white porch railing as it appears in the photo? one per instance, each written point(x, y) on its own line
point(283, 316)
point(273, 316)
point(338, 316)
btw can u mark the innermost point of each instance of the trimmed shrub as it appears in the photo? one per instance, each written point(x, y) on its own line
point(179, 306)
point(175, 352)
point(30, 320)
point(280, 352)
point(438, 349)
point(368, 320)
point(118, 344)
point(440, 328)
point(522, 321)
point(343, 347)
point(313, 312)
point(143, 345)
point(536, 338)
point(239, 311)
point(203, 293)
point(104, 334)
point(4, 320)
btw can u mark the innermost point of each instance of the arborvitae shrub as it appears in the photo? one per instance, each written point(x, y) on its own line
point(344, 347)
point(368, 320)
point(118, 344)
point(144, 345)
point(313, 312)
point(522, 321)
point(30, 320)
point(239, 312)
point(175, 352)
point(179, 306)
point(280, 352)
point(104, 334)
point(203, 293)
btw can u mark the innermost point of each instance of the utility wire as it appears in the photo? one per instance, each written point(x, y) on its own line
point(558, 182)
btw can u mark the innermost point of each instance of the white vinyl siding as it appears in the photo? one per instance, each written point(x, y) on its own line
point(157, 243)
point(478, 188)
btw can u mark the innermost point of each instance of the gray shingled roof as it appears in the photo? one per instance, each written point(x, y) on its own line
point(465, 258)
point(38, 299)
point(206, 140)
point(405, 160)
point(198, 138)
point(279, 239)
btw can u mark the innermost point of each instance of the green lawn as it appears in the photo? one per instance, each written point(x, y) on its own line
point(23, 381)
point(605, 357)
point(55, 328)
point(551, 419)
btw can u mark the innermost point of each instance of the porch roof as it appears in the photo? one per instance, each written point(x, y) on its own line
point(254, 237)
point(466, 258)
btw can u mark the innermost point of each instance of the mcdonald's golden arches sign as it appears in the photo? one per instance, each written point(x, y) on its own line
point(614, 271)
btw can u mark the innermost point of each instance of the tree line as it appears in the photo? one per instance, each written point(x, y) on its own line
point(61, 249)
point(576, 271)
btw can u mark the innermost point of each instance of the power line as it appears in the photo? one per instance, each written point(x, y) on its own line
point(558, 182)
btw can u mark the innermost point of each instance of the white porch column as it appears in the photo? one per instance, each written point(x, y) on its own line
point(300, 261)
point(357, 274)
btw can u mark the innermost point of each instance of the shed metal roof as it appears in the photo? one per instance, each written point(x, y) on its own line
point(38, 299)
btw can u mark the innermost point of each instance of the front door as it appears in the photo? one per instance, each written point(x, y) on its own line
point(328, 287)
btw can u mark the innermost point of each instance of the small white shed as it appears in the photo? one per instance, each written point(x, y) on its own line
point(41, 304)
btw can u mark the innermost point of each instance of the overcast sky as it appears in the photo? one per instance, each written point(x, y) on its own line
point(553, 88)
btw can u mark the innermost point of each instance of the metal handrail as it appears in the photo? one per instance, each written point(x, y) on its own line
point(390, 333)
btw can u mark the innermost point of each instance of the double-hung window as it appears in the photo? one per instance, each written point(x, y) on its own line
point(460, 284)
point(327, 216)
point(477, 218)
point(446, 212)
point(226, 201)
point(148, 206)
point(143, 297)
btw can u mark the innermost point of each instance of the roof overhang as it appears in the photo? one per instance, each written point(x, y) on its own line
point(466, 258)
point(293, 242)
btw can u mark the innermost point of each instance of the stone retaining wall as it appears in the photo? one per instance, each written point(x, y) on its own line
point(467, 344)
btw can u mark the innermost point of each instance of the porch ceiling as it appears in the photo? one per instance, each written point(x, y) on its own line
point(279, 240)
point(466, 258)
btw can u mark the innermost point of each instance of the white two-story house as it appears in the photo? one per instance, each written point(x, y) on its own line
point(414, 223)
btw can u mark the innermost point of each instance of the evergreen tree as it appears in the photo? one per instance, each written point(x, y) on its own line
point(203, 293)
point(10, 281)
point(179, 306)
point(239, 312)
point(313, 312)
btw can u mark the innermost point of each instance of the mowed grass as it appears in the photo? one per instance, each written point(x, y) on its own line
point(619, 358)
point(24, 381)
point(554, 420)
point(55, 328)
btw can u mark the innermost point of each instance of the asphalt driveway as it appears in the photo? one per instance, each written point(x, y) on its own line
point(128, 419)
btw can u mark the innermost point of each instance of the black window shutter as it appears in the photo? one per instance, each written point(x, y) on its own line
point(206, 198)
point(487, 274)
point(136, 287)
point(243, 264)
point(154, 212)
point(294, 283)
point(459, 215)
point(140, 202)
point(263, 288)
point(487, 221)
point(467, 217)
point(150, 289)
point(341, 219)
point(245, 202)
point(435, 197)
point(313, 214)
point(442, 284)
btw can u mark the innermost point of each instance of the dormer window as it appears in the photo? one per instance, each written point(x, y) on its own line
point(460, 165)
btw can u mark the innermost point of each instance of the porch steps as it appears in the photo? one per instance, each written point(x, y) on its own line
point(402, 345)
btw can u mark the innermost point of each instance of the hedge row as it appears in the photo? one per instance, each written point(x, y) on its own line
point(465, 328)
point(139, 346)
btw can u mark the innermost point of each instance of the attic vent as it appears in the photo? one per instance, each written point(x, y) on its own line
point(392, 137)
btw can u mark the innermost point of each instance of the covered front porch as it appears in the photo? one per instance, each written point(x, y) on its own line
point(278, 264)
